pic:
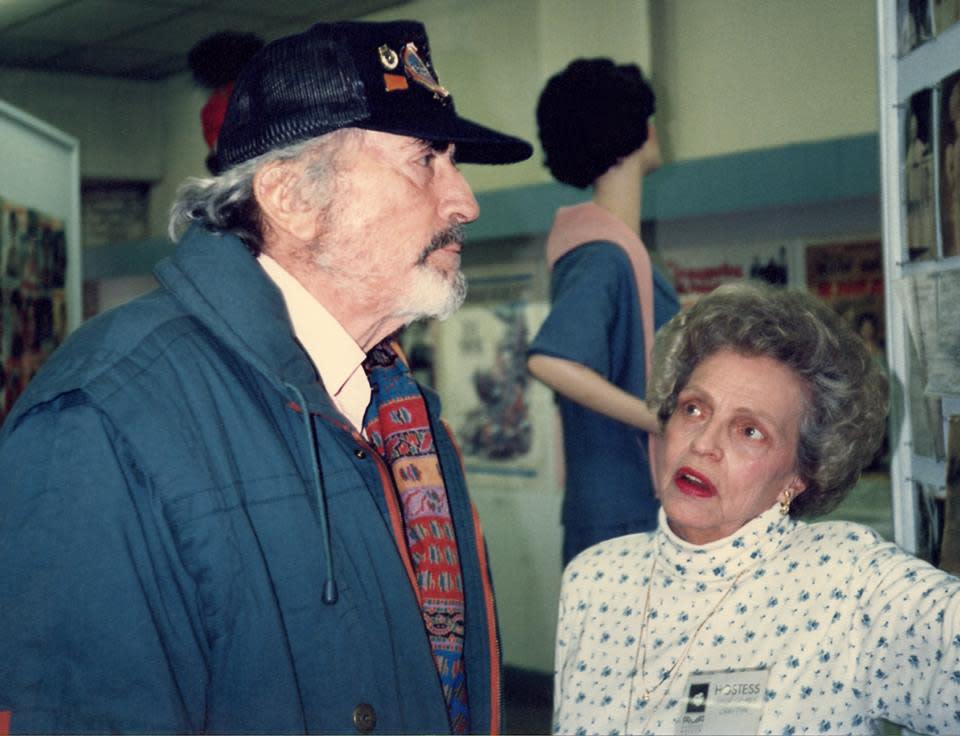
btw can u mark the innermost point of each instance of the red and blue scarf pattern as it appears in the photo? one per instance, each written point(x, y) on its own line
point(398, 426)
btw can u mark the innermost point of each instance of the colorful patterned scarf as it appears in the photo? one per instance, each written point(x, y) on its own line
point(398, 425)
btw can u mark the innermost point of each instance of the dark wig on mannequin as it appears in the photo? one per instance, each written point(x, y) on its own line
point(591, 115)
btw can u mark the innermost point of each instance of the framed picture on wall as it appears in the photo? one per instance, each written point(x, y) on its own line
point(849, 277)
point(502, 418)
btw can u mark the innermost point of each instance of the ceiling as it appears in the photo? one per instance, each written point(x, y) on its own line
point(146, 39)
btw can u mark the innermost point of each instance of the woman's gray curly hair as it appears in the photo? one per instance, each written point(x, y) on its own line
point(843, 423)
point(226, 203)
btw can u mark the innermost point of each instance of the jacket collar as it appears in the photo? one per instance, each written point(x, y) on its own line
point(216, 279)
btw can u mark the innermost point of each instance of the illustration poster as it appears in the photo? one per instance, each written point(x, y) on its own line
point(501, 416)
point(33, 312)
point(918, 177)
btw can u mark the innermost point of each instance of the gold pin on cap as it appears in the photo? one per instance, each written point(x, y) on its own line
point(388, 57)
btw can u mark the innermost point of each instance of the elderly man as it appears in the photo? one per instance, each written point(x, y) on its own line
point(226, 506)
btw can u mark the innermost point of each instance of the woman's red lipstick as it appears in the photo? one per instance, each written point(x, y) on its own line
point(692, 483)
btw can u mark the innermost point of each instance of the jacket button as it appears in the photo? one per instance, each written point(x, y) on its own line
point(364, 718)
point(360, 454)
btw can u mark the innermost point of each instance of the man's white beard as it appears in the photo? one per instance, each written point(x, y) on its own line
point(431, 294)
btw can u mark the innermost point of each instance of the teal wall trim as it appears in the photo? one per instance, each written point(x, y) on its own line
point(798, 174)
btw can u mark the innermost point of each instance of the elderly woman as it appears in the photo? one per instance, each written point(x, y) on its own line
point(734, 616)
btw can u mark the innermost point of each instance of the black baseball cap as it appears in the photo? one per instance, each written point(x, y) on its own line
point(376, 76)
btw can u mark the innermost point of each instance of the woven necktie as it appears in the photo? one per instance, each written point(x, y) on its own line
point(397, 424)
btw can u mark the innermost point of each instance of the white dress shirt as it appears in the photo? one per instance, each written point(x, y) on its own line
point(335, 354)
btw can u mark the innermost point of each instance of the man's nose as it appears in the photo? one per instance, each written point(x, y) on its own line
point(457, 203)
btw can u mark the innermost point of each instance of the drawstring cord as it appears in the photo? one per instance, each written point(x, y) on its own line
point(330, 593)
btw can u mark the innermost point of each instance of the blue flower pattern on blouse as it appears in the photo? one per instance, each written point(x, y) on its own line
point(851, 628)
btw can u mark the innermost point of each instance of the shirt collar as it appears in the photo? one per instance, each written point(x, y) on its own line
point(756, 542)
point(335, 354)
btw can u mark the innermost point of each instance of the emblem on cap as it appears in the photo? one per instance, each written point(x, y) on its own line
point(394, 82)
point(419, 72)
point(388, 57)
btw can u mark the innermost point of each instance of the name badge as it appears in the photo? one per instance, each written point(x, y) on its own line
point(724, 702)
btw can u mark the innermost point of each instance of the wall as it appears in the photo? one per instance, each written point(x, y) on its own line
point(731, 76)
point(184, 150)
point(740, 74)
point(115, 121)
point(495, 55)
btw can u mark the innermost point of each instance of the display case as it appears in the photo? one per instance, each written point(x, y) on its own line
point(40, 294)
point(919, 96)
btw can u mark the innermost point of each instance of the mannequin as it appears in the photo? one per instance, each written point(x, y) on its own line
point(607, 300)
point(619, 192)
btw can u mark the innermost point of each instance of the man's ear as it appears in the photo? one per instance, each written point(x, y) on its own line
point(280, 194)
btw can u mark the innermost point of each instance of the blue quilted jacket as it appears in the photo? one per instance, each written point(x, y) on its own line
point(193, 539)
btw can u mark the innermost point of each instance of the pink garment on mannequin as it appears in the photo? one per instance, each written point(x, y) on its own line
point(588, 222)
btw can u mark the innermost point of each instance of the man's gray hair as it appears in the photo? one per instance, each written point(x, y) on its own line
point(226, 204)
point(846, 407)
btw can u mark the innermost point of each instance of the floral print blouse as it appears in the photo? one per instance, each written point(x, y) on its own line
point(848, 627)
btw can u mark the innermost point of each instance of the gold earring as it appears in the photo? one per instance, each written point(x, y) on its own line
point(785, 503)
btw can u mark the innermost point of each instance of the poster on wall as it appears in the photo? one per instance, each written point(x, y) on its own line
point(950, 164)
point(502, 418)
point(849, 277)
point(696, 274)
point(33, 311)
point(918, 177)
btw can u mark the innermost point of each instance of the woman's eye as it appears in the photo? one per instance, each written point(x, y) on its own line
point(753, 433)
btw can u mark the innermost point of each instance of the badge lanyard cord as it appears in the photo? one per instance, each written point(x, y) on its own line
point(641, 654)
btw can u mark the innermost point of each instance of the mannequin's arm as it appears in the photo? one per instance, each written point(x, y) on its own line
point(587, 387)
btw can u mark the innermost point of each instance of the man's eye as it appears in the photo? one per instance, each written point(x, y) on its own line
point(691, 410)
point(427, 158)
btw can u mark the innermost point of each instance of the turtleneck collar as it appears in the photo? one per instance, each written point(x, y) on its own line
point(755, 542)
